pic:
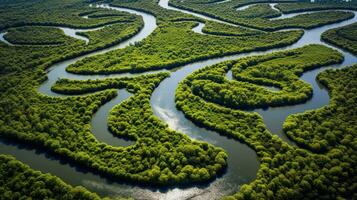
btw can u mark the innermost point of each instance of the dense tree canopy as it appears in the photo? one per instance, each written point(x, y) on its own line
point(287, 172)
point(174, 44)
point(19, 181)
point(319, 5)
point(18, 58)
point(333, 125)
point(322, 166)
point(258, 16)
point(344, 37)
point(159, 155)
point(35, 36)
point(281, 70)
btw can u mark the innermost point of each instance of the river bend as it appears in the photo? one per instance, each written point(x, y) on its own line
point(242, 162)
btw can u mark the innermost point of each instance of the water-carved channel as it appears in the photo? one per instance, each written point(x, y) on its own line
point(242, 162)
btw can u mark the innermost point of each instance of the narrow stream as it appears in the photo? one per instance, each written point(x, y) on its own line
point(101, 129)
point(242, 162)
point(71, 32)
point(272, 6)
point(165, 4)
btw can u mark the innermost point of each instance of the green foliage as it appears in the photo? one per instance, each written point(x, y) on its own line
point(332, 125)
point(17, 58)
point(68, 13)
point(113, 34)
point(174, 44)
point(257, 11)
point(102, 14)
point(159, 155)
point(322, 5)
point(344, 37)
point(19, 181)
point(254, 11)
point(256, 17)
point(36, 36)
point(227, 30)
point(280, 69)
point(285, 172)
point(162, 15)
point(56, 13)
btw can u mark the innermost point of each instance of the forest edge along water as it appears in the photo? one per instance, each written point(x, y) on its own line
point(242, 161)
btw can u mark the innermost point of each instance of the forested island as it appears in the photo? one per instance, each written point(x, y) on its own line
point(171, 99)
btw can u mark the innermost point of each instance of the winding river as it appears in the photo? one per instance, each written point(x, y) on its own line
point(71, 32)
point(242, 162)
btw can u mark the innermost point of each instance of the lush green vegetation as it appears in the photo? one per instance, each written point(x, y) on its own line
point(102, 14)
point(174, 44)
point(19, 181)
point(257, 18)
point(253, 11)
point(167, 16)
point(56, 13)
point(159, 156)
point(257, 11)
point(62, 126)
point(344, 37)
point(162, 15)
point(162, 156)
point(333, 125)
point(215, 28)
point(18, 58)
point(120, 31)
point(322, 5)
point(285, 172)
point(280, 69)
point(36, 36)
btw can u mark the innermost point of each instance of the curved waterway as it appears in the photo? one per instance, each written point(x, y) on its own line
point(71, 32)
point(242, 161)
point(272, 6)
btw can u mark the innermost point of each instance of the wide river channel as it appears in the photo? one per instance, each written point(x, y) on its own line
point(242, 162)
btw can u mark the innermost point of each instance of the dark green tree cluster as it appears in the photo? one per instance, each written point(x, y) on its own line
point(318, 5)
point(258, 18)
point(104, 13)
point(281, 70)
point(262, 10)
point(159, 155)
point(286, 172)
point(165, 16)
point(36, 35)
point(18, 58)
point(333, 125)
point(62, 126)
point(19, 181)
point(120, 31)
point(344, 37)
point(162, 15)
point(56, 13)
point(220, 29)
point(174, 44)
